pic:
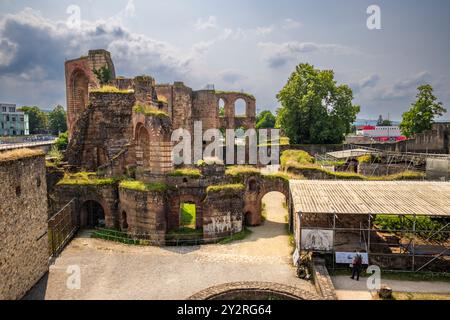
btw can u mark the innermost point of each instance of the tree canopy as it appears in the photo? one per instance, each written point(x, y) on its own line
point(383, 122)
point(314, 109)
point(265, 120)
point(37, 119)
point(57, 120)
point(422, 113)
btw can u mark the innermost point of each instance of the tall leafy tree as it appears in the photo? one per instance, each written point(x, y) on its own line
point(37, 119)
point(383, 122)
point(265, 120)
point(422, 113)
point(57, 120)
point(314, 109)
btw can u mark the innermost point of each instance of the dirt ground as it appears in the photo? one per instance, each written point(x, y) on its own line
point(116, 271)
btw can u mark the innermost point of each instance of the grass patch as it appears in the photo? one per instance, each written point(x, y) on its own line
point(188, 215)
point(292, 157)
point(111, 89)
point(227, 188)
point(86, 179)
point(20, 154)
point(118, 236)
point(150, 111)
point(236, 237)
point(236, 92)
point(143, 187)
point(186, 172)
point(239, 171)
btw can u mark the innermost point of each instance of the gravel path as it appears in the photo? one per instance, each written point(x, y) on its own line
point(116, 271)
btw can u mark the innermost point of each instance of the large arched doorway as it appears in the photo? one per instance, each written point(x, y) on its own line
point(274, 209)
point(92, 215)
point(240, 108)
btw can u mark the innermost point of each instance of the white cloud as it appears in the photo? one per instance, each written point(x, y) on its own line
point(279, 54)
point(205, 24)
point(130, 9)
point(289, 24)
point(264, 30)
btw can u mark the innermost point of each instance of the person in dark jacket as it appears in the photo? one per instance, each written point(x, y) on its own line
point(356, 266)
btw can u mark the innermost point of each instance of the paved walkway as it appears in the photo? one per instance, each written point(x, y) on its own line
point(116, 271)
point(348, 289)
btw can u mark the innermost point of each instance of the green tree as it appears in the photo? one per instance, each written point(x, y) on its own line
point(265, 120)
point(314, 109)
point(422, 113)
point(57, 120)
point(62, 141)
point(383, 122)
point(38, 120)
point(104, 75)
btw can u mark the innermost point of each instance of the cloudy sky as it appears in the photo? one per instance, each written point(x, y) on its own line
point(250, 45)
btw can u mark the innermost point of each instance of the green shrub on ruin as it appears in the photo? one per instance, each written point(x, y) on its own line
point(186, 172)
point(295, 157)
point(239, 171)
point(86, 178)
point(144, 187)
point(227, 188)
point(149, 111)
point(236, 92)
point(111, 89)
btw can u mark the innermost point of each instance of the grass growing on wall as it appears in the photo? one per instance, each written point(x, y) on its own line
point(19, 154)
point(141, 186)
point(237, 171)
point(231, 188)
point(86, 179)
point(149, 111)
point(295, 157)
point(111, 89)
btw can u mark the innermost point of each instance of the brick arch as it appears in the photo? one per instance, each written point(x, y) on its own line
point(230, 99)
point(254, 195)
point(83, 217)
point(78, 96)
point(175, 203)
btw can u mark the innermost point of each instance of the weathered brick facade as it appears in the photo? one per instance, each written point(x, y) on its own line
point(23, 224)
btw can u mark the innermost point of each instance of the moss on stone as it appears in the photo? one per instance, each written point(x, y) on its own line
point(236, 92)
point(239, 171)
point(149, 111)
point(227, 188)
point(20, 154)
point(86, 179)
point(143, 187)
point(111, 89)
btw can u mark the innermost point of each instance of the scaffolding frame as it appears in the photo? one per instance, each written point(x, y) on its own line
point(370, 229)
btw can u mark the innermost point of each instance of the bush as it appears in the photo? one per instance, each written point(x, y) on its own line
point(149, 111)
point(141, 186)
point(62, 141)
point(428, 226)
point(86, 178)
point(292, 157)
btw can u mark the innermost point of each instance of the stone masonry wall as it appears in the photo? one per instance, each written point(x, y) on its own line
point(144, 213)
point(23, 225)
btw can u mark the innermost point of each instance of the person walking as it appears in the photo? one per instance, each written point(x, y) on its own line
point(356, 266)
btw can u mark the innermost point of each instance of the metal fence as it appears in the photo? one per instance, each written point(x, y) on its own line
point(61, 228)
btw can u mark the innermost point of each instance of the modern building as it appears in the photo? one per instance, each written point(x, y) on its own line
point(13, 122)
point(380, 133)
